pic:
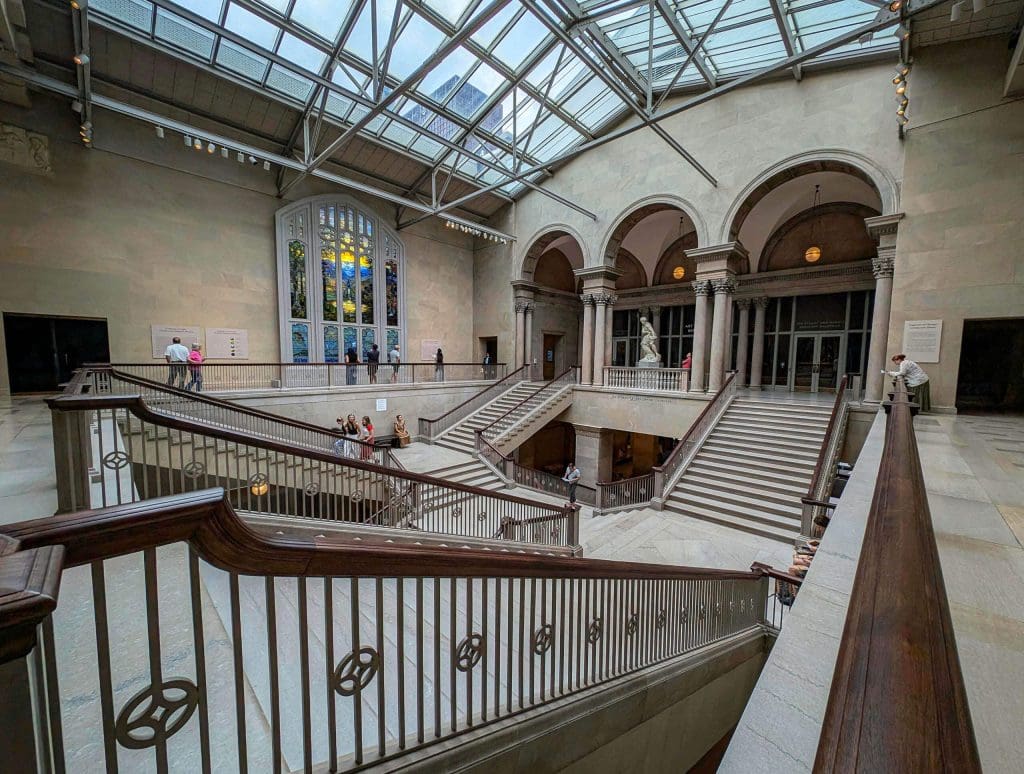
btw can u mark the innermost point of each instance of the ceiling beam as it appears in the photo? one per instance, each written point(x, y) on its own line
point(685, 41)
point(788, 38)
point(696, 50)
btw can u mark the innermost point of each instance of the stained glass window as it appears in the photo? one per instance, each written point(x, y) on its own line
point(350, 339)
point(392, 339)
point(297, 278)
point(348, 278)
point(300, 343)
point(329, 262)
point(369, 339)
point(366, 279)
point(331, 344)
point(391, 291)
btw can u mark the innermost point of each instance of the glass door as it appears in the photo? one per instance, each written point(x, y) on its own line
point(816, 358)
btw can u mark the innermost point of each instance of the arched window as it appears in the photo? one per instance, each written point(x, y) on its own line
point(340, 281)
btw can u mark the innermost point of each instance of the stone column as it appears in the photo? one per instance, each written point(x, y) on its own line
point(730, 312)
point(587, 342)
point(528, 335)
point(757, 356)
point(743, 304)
point(593, 454)
point(698, 367)
point(724, 289)
point(882, 265)
point(520, 332)
point(609, 326)
point(600, 321)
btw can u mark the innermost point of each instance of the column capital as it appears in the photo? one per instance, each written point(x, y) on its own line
point(725, 285)
point(530, 307)
point(883, 264)
point(761, 302)
point(743, 303)
point(701, 287)
point(728, 258)
point(883, 226)
point(521, 307)
point(604, 299)
point(655, 309)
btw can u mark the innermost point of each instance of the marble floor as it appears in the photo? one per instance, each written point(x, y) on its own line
point(27, 488)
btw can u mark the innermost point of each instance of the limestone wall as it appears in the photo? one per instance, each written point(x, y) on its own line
point(959, 252)
point(666, 414)
point(142, 231)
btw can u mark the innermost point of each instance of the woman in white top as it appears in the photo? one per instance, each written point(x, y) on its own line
point(916, 380)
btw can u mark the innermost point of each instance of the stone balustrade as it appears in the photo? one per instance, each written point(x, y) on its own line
point(656, 379)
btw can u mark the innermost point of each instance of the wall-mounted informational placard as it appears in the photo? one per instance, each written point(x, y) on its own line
point(428, 349)
point(227, 343)
point(163, 335)
point(921, 340)
point(382, 404)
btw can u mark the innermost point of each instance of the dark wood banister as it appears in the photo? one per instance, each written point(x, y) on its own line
point(470, 400)
point(33, 555)
point(898, 701)
point(696, 423)
point(819, 464)
point(528, 398)
point(253, 364)
point(770, 572)
point(138, 407)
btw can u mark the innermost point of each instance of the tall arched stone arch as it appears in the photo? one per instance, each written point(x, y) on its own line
point(535, 246)
point(630, 216)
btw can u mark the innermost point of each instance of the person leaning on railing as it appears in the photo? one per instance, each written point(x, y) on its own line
point(916, 380)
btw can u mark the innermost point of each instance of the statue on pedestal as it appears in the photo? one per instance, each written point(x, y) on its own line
point(649, 355)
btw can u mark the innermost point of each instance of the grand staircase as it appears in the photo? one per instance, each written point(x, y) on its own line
point(754, 467)
point(461, 437)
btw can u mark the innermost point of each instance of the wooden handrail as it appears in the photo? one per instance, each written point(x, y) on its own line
point(137, 406)
point(711, 405)
point(254, 364)
point(898, 701)
point(526, 399)
point(819, 464)
point(770, 572)
point(470, 400)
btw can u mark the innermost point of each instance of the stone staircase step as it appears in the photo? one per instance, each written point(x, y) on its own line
point(733, 495)
point(766, 441)
point(783, 530)
point(757, 454)
point(808, 433)
point(706, 469)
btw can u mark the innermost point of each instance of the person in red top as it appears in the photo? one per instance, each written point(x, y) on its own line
point(367, 437)
point(195, 368)
point(687, 361)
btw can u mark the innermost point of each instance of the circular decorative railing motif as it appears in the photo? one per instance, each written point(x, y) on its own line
point(633, 624)
point(743, 605)
point(659, 622)
point(543, 639)
point(194, 469)
point(469, 652)
point(355, 671)
point(115, 460)
point(718, 610)
point(594, 631)
point(481, 516)
point(457, 512)
point(684, 616)
point(257, 480)
point(357, 496)
point(312, 489)
point(703, 614)
point(156, 713)
point(732, 605)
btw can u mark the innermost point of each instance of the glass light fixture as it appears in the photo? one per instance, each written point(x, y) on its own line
point(813, 253)
point(679, 272)
point(259, 489)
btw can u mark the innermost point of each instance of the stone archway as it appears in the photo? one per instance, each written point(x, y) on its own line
point(638, 211)
point(539, 244)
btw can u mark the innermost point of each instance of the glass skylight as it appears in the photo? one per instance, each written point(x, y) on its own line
point(511, 89)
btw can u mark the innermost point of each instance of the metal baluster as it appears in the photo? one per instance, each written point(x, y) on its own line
point(400, 639)
point(522, 616)
point(437, 657)
point(357, 698)
point(420, 667)
point(332, 730)
point(484, 614)
point(497, 647)
point(469, 672)
point(453, 592)
point(307, 725)
point(510, 645)
point(54, 727)
point(99, 596)
point(381, 709)
point(236, 641)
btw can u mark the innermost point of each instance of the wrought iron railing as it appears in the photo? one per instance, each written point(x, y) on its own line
point(530, 403)
point(218, 376)
point(625, 493)
point(538, 480)
point(431, 428)
point(815, 502)
point(303, 654)
point(654, 379)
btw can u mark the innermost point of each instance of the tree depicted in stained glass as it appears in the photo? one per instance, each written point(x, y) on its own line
point(391, 291)
point(392, 339)
point(366, 280)
point(369, 339)
point(329, 263)
point(348, 278)
point(331, 344)
point(300, 343)
point(297, 278)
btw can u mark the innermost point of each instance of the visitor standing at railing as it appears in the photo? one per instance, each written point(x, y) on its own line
point(572, 478)
point(373, 360)
point(488, 368)
point(344, 447)
point(395, 358)
point(687, 361)
point(351, 360)
point(177, 356)
point(195, 368)
point(439, 366)
point(916, 380)
point(367, 437)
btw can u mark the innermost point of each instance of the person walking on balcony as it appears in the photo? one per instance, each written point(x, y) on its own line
point(195, 368)
point(177, 356)
point(373, 361)
point(572, 478)
point(916, 380)
point(395, 358)
point(439, 366)
point(351, 361)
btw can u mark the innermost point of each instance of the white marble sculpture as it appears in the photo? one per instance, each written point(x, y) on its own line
point(649, 355)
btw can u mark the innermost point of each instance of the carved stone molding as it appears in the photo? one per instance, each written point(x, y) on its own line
point(883, 225)
point(883, 264)
point(604, 299)
point(587, 299)
point(761, 302)
point(521, 307)
point(743, 303)
point(724, 285)
point(702, 288)
point(25, 149)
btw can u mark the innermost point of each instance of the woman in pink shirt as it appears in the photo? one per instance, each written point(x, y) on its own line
point(195, 368)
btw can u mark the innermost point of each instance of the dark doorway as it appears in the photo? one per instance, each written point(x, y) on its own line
point(489, 346)
point(991, 377)
point(42, 352)
point(551, 355)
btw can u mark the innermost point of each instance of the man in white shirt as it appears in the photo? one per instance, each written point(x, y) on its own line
point(572, 478)
point(177, 355)
point(916, 380)
point(395, 358)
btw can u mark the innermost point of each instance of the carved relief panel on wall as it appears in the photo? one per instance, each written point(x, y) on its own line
point(25, 149)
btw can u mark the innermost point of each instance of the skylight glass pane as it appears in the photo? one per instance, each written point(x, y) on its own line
point(358, 111)
point(399, 134)
point(450, 9)
point(289, 83)
point(208, 9)
point(417, 113)
point(522, 39)
point(360, 42)
point(250, 26)
point(241, 61)
point(179, 32)
point(418, 37)
point(441, 81)
point(134, 13)
point(486, 34)
point(281, 6)
point(338, 106)
point(427, 147)
point(324, 17)
point(475, 92)
point(301, 54)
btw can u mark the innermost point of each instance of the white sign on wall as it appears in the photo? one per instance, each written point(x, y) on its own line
point(382, 404)
point(921, 340)
point(428, 349)
point(163, 335)
point(227, 343)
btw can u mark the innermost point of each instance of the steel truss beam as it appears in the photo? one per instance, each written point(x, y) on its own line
point(616, 87)
point(431, 61)
point(788, 38)
point(83, 71)
point(155, 119)
point(885, 18)
point(685, 41)
point(696, 51)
